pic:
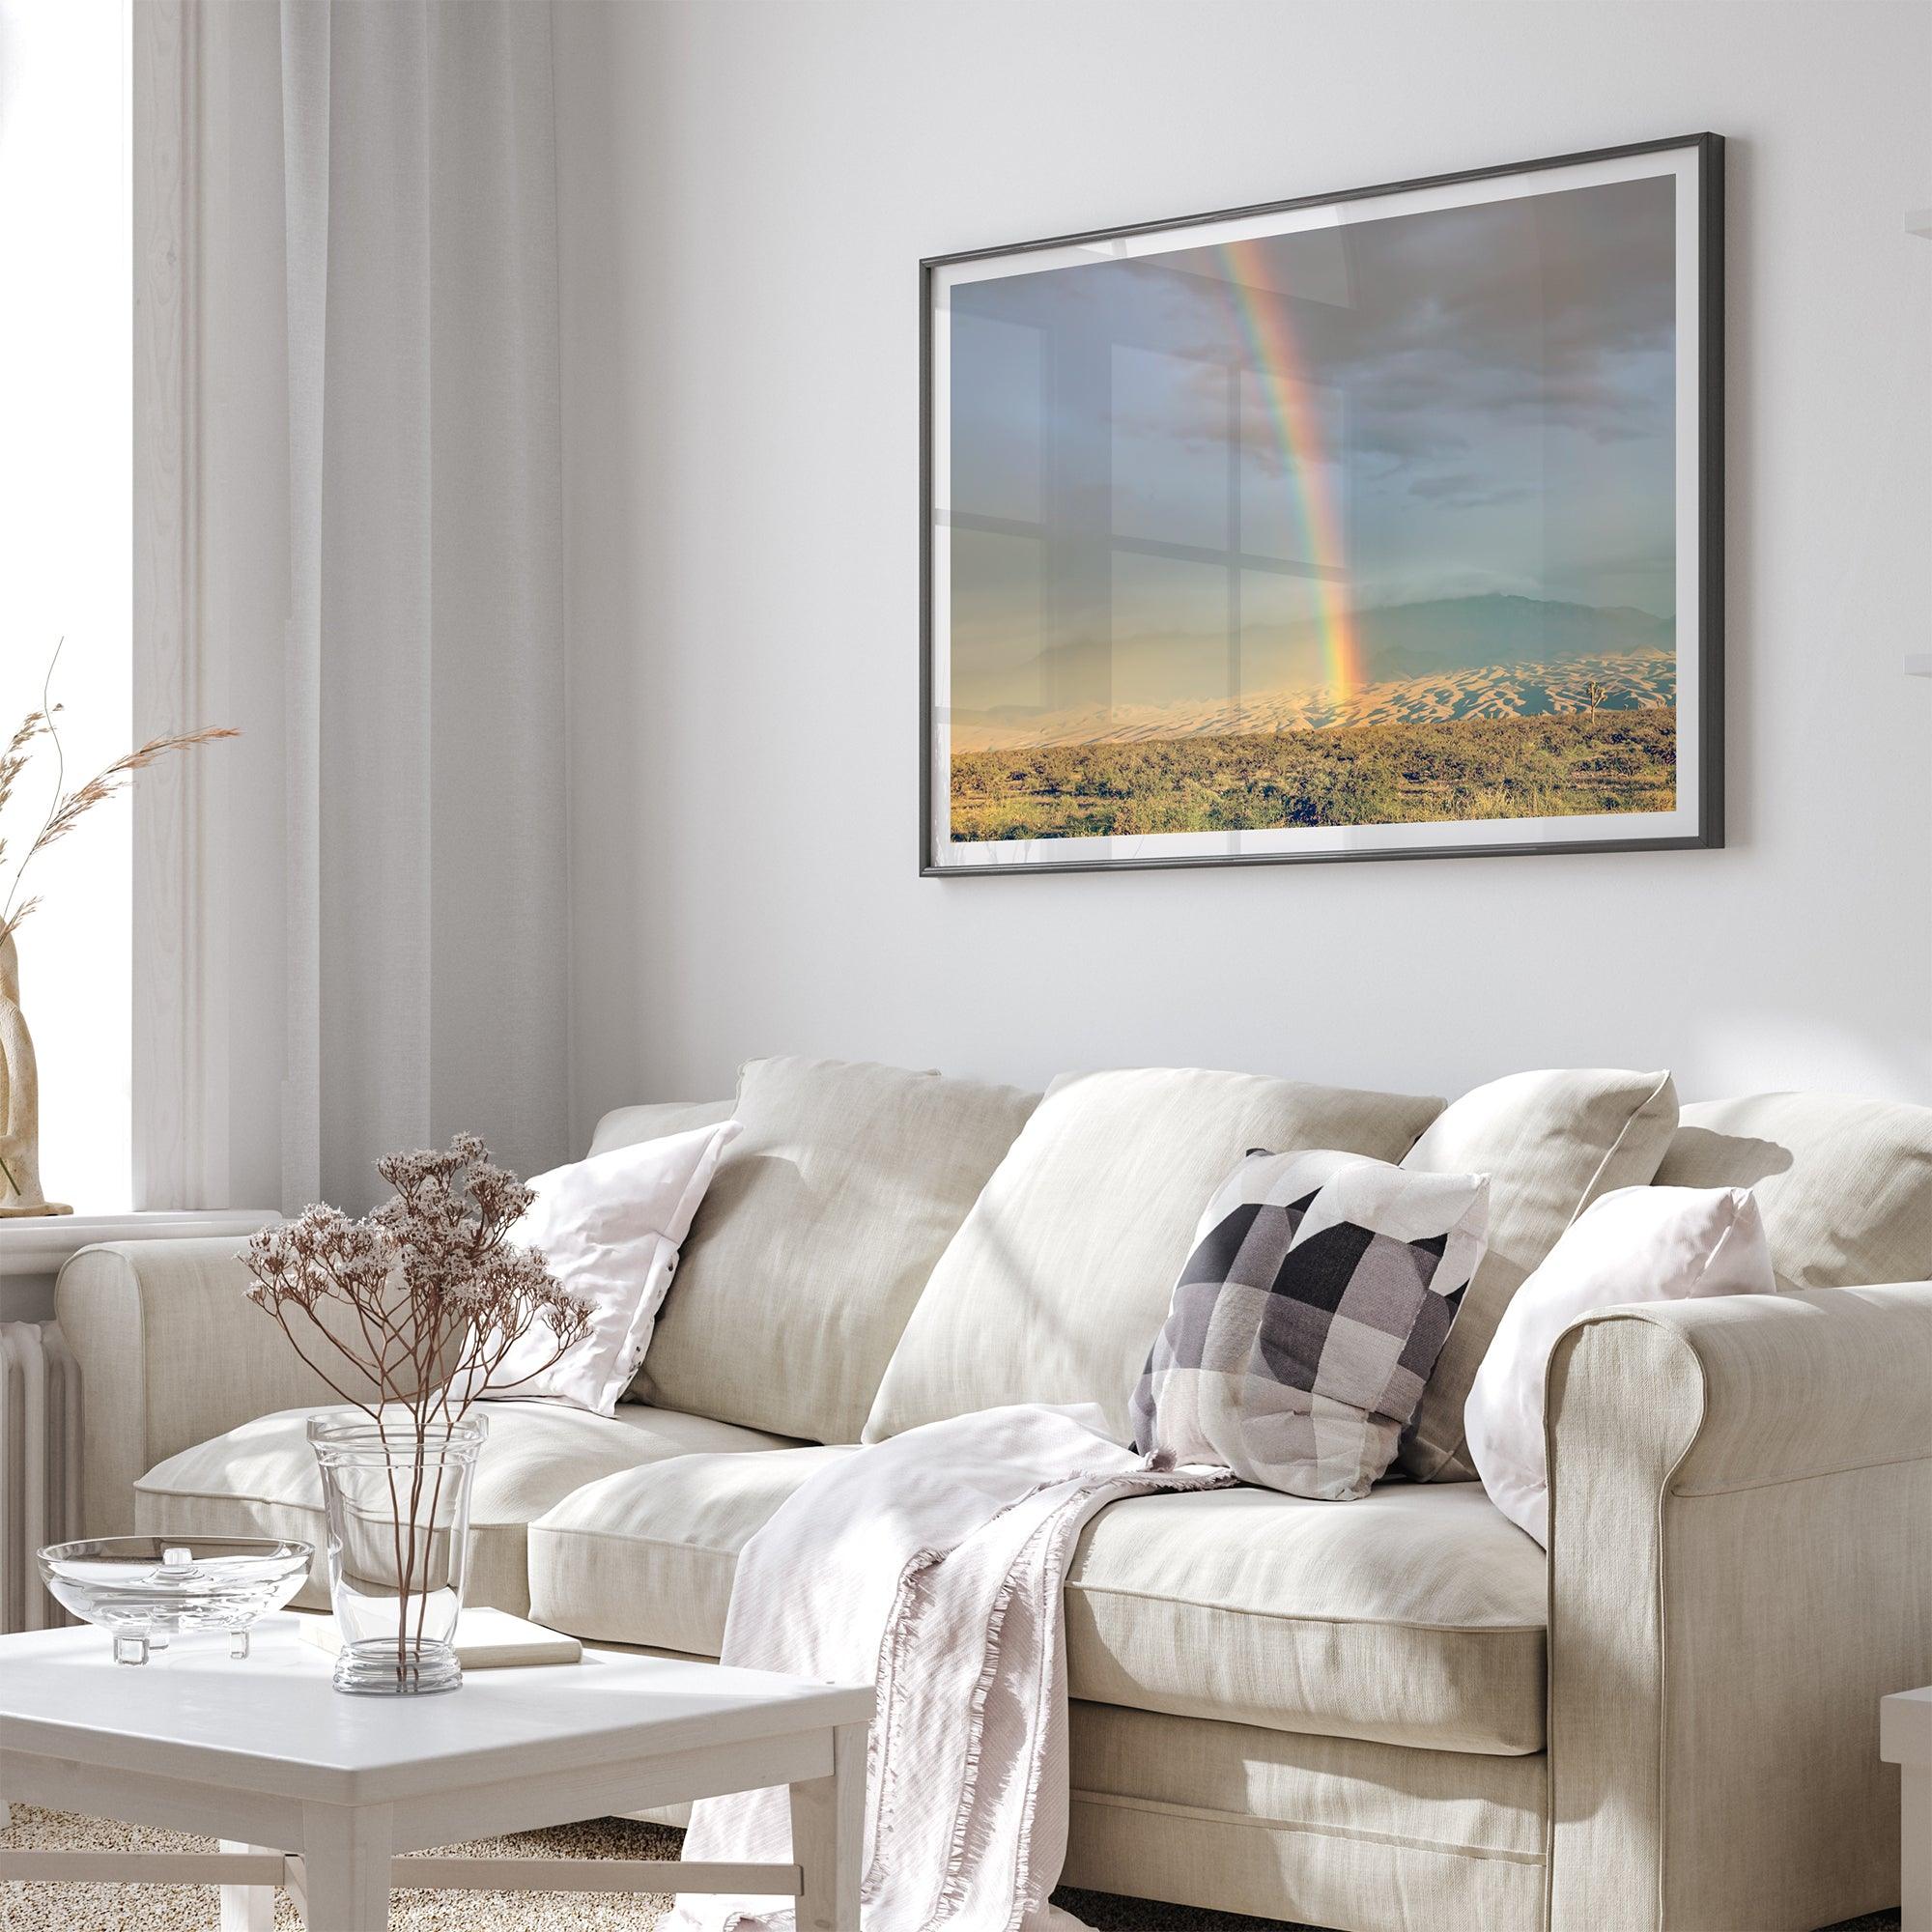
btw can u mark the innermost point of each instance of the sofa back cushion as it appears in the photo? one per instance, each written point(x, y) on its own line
point(1844, 1184)
point(1551, 1142)
point(1060, 1278)
point(815, 1238)
point(627, 1126)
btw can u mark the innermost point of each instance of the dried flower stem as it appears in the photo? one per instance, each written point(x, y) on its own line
point(66, 808)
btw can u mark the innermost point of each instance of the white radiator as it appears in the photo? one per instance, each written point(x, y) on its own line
point(40, 1465)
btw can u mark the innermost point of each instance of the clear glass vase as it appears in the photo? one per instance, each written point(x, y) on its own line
point(398, 1507)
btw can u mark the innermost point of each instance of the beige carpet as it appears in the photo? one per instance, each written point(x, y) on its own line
point(190, 1908)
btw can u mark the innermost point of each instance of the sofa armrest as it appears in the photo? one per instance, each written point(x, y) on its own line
point(1740, 1568)
point(170, 1354)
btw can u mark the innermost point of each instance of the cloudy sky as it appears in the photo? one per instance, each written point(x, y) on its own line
point(1467, 401)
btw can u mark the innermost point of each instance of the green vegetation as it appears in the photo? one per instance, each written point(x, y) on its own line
point(1544, 767)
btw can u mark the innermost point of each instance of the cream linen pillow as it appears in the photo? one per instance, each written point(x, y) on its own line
point(1844, 1183)
point(1058, 1281)
point(1638, 1244)
point(1551, 1142)
point(818, 1236)
point(610, 1227)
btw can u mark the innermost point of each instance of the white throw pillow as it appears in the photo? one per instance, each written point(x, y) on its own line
point(1551, 1142)
point(1638, 1244)
point(611, 1228)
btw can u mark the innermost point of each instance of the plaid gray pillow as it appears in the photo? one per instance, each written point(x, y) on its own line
point(1306, 1321)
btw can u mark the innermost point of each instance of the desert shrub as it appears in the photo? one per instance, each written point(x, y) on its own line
point(1549, 766)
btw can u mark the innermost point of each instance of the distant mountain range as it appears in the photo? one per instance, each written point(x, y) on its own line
point(1449, 657)
point(1625, 681)
point(1464, 633)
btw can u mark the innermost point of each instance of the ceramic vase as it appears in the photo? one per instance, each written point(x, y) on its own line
point(19, 1100)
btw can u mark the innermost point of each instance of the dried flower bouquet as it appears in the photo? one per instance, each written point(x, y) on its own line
point(408, 1313)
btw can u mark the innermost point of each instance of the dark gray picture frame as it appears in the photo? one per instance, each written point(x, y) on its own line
point(1705, 572)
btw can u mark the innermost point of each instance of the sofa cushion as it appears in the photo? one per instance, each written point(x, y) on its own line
point(1058, 1281)
point(1551, 1142)
point(625, 1562)
point(1844, 1184)
point(261, 1479)
point(626, 1127)
point(1330, 1831)
point(1414, 1616)
point(818, 1234)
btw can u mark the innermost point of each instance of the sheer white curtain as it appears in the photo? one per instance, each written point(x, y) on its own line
point(426, 915)
point(375, 402)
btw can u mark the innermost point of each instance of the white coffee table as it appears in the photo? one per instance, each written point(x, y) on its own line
point(317, 1792)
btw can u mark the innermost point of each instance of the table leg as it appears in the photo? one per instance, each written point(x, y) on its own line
point(246, 1907)
point(1915, 1785)
point(346, 1867)
point(828, 1824)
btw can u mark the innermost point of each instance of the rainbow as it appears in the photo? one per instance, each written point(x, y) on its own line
point(1277, 360)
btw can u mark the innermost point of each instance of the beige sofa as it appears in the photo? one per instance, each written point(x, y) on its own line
point(1388, 1714)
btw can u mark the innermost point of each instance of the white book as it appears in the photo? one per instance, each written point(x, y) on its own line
point(485, 1640)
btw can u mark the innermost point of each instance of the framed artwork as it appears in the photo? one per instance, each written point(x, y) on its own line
point(1379, 524)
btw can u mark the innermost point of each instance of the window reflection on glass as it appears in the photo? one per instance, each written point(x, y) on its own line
point(1292, 478)
point(1170, 639)
point(1283, 646)
point(997, 446)
point(999, 680)
point(1169, 473)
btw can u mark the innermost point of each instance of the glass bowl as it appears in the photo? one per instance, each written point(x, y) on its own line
point(145, 1590)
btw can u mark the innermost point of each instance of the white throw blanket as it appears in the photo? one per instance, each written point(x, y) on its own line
point(932, 1563)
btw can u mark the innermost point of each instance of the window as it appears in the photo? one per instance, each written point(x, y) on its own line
point(66, 486)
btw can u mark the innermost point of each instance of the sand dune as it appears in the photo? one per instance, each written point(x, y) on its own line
point(1634, 680)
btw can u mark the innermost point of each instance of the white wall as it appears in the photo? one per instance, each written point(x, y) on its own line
point(746, 190)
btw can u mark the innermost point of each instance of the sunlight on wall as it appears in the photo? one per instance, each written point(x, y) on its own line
point(65, 557)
